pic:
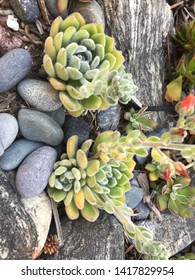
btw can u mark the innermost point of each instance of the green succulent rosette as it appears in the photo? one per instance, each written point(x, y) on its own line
point(84, 66)
point(86, 184)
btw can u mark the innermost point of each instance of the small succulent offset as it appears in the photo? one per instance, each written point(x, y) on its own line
point(138, 120)
point(177, 196)
point(84, 66)
point(185, 35)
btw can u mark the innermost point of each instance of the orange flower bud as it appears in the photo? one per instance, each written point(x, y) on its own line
point(181, 169)
point(187, 105)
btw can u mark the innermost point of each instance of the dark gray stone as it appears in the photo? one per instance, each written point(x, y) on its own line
point(134, 196)
point(15, 154)
point(52, 7)
point(39, 94)
point(100, 240)
point(14, 66)
point(92, 12)
point(58, 115)
point(38, 126)
point(174, 232)
point(76, 126)
point(18, 237)
point(109, 119)
point(33, 174)
point(26, 10)
point(143, 210)
point(8, 130)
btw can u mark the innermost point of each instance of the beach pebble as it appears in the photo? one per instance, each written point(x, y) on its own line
point(134, 196)
point(38, 126)
point(39, 94)
point(17, 152)
point(14, 66)
point(8, 131)
point(33, 174)
point(109, 119)
point(58, 115)
point(76, 126)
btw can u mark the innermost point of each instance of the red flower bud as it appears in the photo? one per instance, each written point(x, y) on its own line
point(187, 104)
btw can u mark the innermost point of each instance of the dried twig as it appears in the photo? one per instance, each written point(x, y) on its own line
point(177, 5)
point(143, 181)
point(57, 222)
point(44, 11)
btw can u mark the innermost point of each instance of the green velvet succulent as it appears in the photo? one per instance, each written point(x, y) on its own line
point(84, 66)
point(86, 184)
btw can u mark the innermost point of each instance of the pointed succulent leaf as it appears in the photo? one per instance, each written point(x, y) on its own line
point(116, 192)
point(80, 35)
point(50, 49)
point(109, 208)
point(90, 212)
point(74, 62)
point(94, 64)
point(55, 26)
point(92, 103)
point(60, 170)
point(81, 158)
point(86, 146)
point(99, 38)
point(62, 57)
point(72, 146)
point(93, 167)
point(51, 191)
point(68, 34)
point(91, 28)
point(72, 211)
point(141, 152)
point(79, 199)
point(110, 44)
point(69, 103)
point(57, 84)
point(58, 41)
point(69, 21)
point(52, 180)
point(74, 74)
point(69, 197)
point(61, 72)
point(59, 195)
point(48, 65)
point(89, 196)
point(89, 75)
point(80, 18)
point(89, 44)
point(91, 181)
point(174, 89)
point(157, 155)
point(119, 59)
point(162, 201)
point(97, 188)
point(74, 93)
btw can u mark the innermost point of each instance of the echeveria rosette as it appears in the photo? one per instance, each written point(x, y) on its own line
point(84, 66)
point(86, 184)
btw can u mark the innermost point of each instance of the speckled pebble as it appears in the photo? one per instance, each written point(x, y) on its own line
point(38, 126)
point(33, 174)
point(76, 126)
point(8, 131)
point(109, 118)
point(39, 94)
point(26, 10)
point(14, 66)
point(16, 153)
